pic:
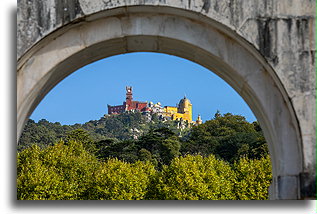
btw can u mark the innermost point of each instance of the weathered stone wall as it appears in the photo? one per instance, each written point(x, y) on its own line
point(283, 32)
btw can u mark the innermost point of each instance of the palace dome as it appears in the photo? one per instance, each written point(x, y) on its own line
point(184, 103)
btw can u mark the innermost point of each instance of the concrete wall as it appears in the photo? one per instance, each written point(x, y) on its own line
point(265, 49)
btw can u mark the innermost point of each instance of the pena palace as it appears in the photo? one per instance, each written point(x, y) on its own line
point(182, 112)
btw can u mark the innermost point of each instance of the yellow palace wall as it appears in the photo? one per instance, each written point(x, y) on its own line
point(173, 112)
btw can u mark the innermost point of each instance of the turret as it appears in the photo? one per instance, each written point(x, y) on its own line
point(199, 121)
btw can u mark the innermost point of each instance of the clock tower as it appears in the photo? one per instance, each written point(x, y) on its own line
point(128, 95)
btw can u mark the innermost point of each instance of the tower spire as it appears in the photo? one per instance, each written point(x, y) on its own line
point(129, 93)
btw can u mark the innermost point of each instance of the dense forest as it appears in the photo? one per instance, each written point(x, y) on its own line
point(128, 125)
point(129, 157)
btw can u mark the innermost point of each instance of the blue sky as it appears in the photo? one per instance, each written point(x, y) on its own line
point(84, 95)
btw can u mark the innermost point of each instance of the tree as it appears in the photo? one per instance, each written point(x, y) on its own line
point(82, 136)
point(254, 177)
point(170, 149)
point(119, 180)
point(59, 172)
point(103, 147)
point(162, 143)
point(194, 178)
point(36, 134)
point(69, 172)
point(228, 137)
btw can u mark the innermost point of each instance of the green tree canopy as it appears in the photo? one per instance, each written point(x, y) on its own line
point(228, 137)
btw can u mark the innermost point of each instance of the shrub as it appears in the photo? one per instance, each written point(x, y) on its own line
point(60, 172)
point(195, 178)
point(253, 178)
point(118, 180)
point(70, 172)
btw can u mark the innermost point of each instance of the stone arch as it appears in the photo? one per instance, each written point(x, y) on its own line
point(181, 33)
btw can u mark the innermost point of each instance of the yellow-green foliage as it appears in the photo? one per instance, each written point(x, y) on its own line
point(60, 172)
point(196, 178)
point(253, 178)
point(118, 180)
point(69, 172)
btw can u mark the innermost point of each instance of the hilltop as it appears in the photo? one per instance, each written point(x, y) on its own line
point(125, 126)
point(131, 136)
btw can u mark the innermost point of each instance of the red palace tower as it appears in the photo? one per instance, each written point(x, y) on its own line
point(128, 105)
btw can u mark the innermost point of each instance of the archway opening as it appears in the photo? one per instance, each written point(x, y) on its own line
point(165, 79)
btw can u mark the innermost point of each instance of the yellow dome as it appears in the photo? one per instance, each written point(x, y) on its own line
point(184, 105)
point(184, 102)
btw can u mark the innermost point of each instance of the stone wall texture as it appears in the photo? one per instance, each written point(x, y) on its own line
point(282, 31)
